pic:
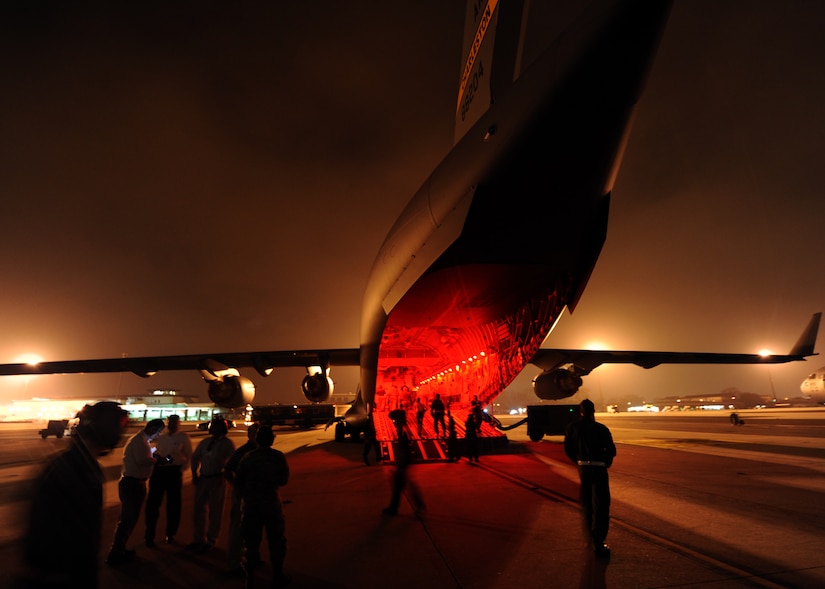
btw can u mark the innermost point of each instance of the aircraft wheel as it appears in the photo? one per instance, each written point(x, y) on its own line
point(535, 436)
point(340, 432)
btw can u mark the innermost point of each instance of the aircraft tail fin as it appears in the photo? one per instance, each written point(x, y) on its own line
point(804, 346)
point(491, 56)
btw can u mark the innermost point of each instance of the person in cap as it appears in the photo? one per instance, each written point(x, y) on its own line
point(208, 461)
point(138, 463)
point(590, 446)
point(68, 496)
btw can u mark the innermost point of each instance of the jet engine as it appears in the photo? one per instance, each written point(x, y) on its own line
point(558, 383)
point(231, 391)
point(317, 387)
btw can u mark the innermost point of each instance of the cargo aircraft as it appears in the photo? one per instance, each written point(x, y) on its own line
point(498, 241)
point(814, 386)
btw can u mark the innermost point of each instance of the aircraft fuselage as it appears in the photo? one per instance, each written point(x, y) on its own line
point(506, 231)
point(814, 386)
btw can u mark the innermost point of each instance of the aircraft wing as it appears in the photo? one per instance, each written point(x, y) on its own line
point(263, 362)
point(585, 361)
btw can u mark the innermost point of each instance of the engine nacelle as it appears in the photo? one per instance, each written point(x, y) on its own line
point(558, 383)
point(317, 387)
point(231, 391)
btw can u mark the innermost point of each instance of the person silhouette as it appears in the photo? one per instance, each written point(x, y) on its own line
point(452, 439)
point(138, 464)
point(401, 480)
point(234, 552)
point(370, 441)
point(590, 446)
point(68, 495)
point(471, 437)
point(208, 461)
point(420, 410)
point(478, 412)
point(437, 412)
point(261, 473)
point(167, 478)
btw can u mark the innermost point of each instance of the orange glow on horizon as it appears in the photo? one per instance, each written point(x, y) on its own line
point(31, 359)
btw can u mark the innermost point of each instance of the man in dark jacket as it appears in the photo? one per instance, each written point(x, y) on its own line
point(68, 497)
point(590, 445)
point(437, 411)
point(400, 479)
point(234, 552)
point(259, 476)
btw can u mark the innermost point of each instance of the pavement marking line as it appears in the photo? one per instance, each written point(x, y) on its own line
point(440, 447)
point(436, 547)
point(421, 450)
point(696, 447)
point(649, 536)
point(689, 552)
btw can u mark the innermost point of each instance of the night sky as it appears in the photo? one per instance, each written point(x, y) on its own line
point(206, 177)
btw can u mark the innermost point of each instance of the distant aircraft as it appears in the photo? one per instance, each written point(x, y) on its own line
point(814, 386)
point(499, 240)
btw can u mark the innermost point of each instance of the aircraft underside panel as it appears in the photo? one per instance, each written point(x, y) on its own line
point(465, 331)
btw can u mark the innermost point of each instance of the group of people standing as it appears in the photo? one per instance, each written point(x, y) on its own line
point(255, 471)
point(154, 460)
point(157, 459)
point(442, 418)
point(157, 455)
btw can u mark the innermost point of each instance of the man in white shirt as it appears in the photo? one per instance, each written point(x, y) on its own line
point(138, 464)
point(174, 449)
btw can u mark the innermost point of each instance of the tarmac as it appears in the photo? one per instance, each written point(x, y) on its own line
point(509, 521)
